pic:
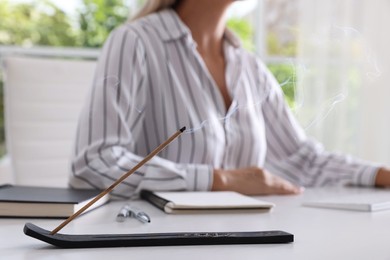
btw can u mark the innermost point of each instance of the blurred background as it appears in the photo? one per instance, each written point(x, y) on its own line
point(330, 57)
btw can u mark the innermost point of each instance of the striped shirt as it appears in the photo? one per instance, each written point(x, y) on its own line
point(150, 81)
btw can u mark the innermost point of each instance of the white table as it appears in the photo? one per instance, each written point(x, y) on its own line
point(319, 233)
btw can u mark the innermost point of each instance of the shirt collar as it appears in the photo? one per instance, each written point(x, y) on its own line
point(171, 27)
point(232, 38)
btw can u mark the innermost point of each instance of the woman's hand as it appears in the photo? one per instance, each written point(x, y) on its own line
point(383, 178)
point(252, 181)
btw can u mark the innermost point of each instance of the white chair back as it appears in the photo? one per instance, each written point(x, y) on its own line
point(43, 98)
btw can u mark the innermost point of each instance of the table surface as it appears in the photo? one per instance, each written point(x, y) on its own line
point(318, 233)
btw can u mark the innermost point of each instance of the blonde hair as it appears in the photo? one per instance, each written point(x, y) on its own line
point(152, 6)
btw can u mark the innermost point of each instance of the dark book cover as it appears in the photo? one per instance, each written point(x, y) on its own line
point(44, 202)
point(153, 199)
point(32, 194)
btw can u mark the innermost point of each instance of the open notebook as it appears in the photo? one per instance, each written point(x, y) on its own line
point(358, 202)
point(181, 202)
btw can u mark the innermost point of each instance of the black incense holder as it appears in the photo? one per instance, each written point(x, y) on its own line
point(157, 239)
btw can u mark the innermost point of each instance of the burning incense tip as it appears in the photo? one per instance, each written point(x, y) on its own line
point(183, 129)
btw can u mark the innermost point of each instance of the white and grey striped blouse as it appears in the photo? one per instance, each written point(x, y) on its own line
point(150, 81)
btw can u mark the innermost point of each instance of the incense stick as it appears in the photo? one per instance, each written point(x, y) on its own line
point(118, 181)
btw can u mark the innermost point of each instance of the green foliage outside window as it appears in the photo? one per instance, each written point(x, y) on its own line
point(285, 74)
point(275, 47)
point(37, 23)
point(97, 18)
point(43, 23)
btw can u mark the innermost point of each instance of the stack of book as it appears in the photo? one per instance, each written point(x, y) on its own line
point(44, 202)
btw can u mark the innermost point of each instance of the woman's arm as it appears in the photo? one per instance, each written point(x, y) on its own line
point(252, 181)
point(299, 159)
point(112, 121)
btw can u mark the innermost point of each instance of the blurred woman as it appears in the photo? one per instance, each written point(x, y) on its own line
point(176, 64)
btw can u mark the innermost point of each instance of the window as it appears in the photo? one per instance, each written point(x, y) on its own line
point(268, 27)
